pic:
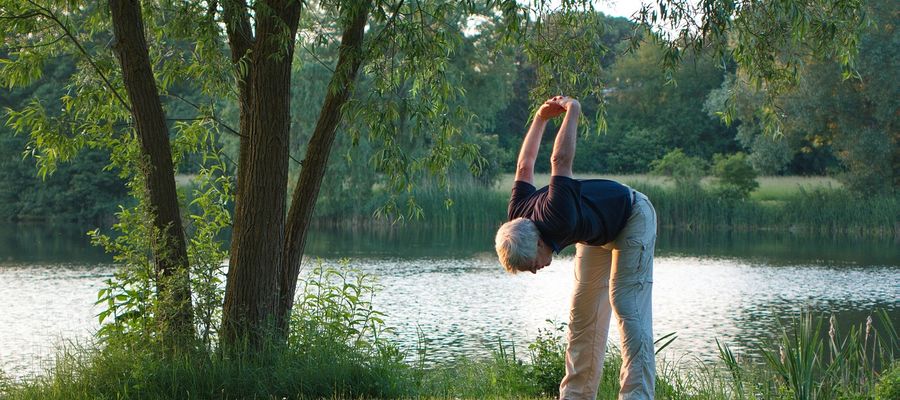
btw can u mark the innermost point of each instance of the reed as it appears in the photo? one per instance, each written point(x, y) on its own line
point(807, 362)
point(820, 211)
point(801, 205)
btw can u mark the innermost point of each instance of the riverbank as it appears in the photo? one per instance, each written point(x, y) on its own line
point(782, 204)
point(810, 360)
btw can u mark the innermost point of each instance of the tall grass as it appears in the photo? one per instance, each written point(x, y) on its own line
point(810, 364)
point(463, 207)
point(822, 210)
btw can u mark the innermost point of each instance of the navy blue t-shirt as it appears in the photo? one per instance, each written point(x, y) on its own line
point(590, 211)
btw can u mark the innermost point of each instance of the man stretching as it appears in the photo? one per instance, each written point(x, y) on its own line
point(614, 231)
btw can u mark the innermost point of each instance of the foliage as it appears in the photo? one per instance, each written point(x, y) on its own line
point(336, 330)
point(130, 300)
point(735, 177)
point(769, 42)
point(832, 119)
point(83, 190)
point(336, 304)
point(211, 200)
point(809, 364)
point(685, 170)
point(670, 109)
point(548, 359)
point(888, 386)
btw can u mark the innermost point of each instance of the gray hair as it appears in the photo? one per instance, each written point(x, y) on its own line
point(516, 244)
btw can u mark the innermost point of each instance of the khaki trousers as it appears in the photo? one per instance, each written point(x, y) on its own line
point(617, 276)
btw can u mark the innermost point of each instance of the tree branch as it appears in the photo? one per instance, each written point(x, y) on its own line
point(52, 16)
point(212, 117)
point(38, 45)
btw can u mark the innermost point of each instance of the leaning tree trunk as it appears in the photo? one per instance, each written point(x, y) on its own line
point(307, 190)
point(257, 238)
point(169, 247)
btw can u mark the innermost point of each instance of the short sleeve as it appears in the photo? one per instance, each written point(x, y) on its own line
point(521, 191)
point(564, 193)
point(563, 206)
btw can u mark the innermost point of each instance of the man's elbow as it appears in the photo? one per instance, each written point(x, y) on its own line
point(562, 160)
point(524, 170)
point(526, 165)
point(561, 165)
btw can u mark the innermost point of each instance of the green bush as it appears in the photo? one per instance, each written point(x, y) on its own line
point(888, 387)
point(548, 358)
point(735, 177)
point(684, 169)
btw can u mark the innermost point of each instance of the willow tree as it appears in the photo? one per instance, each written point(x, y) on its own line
point(243, 51)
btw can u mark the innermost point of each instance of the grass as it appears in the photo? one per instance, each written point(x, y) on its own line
point(771, 188)
point(818, 206)
point(804, 363)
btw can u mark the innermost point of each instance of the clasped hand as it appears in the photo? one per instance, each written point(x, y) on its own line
point(555, 106)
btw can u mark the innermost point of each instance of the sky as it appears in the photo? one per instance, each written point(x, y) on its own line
point(619, 8)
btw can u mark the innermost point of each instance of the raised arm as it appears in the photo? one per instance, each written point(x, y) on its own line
point(564, 146)
point(532, 142)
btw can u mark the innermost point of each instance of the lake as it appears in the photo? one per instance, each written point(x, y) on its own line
point(447, 284)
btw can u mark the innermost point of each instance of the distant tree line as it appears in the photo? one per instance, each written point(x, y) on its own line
point(83, 189)
point(842, 126)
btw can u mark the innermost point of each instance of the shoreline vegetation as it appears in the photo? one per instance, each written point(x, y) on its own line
point(803, 205)
point(815, 206)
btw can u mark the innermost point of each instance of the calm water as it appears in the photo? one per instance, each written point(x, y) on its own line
point(447, 283)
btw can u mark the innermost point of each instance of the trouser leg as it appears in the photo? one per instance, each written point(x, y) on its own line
point(589, 316)
point(631, 286)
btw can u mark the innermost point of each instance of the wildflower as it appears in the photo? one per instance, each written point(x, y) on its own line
point(783, 356)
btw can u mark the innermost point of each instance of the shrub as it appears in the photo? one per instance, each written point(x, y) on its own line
point(735, 177)
point(888, 386)
point(684, 169)
point(548, 359)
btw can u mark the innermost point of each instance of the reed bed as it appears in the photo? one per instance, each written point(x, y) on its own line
point(821, 211)
point(813, 206)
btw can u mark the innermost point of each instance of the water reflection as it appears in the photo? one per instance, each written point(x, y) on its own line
point(420, 240)
point(48, 243)
point(69, 243)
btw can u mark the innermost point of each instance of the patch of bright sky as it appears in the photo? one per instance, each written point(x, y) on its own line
point(614, 8)
point(619, 8)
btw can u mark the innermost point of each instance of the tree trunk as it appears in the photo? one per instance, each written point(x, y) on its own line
point(169, 247)
point(257, 238)
point(307, 190)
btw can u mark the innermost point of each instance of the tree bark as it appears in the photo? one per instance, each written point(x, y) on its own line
point(240, 40)
point(318, 149)
point(169, 247)
point(257, 238)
